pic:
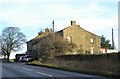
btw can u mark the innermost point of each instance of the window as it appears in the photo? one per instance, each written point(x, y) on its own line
point(34, 47)
point(69, 39)
point(91, 41)
point(92, 50)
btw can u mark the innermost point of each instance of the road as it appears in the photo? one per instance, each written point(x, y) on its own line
point(19, 70)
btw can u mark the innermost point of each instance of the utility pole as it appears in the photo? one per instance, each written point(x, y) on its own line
point(112, 39)
point(53, 25)
point(53, 41)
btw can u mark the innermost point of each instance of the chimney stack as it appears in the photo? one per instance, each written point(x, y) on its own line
point(73, 22)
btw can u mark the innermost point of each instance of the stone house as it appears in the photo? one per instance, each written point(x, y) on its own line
point(33, 46)
point(86, 42)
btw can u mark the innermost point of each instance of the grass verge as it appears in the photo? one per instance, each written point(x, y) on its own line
point(67, 68)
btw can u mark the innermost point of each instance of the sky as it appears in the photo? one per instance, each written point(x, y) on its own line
point(32, 16)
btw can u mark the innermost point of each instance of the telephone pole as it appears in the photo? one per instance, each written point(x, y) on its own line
point(53, 25)
point(112, 39)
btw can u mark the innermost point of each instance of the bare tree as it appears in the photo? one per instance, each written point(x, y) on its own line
point(55, 45)
point(12, 40)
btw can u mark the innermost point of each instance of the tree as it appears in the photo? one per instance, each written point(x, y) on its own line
point(12, 40)
point(105, 43)
point(55, 45)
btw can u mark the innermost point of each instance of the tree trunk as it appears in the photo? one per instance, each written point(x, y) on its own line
point(4, 56)
point(8, 55)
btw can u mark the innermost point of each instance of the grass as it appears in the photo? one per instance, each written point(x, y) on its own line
point(11, 60)
point(0, 60)
point(5, 60)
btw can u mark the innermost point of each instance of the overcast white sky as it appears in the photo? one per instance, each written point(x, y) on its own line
point(97, 16)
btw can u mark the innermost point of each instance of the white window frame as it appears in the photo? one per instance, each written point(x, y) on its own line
point(91, 40)
point(69, 39)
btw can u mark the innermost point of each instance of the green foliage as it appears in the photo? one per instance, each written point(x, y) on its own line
point(105, 43)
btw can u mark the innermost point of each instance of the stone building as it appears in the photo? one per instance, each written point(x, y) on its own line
point(34, 44)
point(86, 42)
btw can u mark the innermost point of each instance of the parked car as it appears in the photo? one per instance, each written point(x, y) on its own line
point(17, 57)
point(26, 58)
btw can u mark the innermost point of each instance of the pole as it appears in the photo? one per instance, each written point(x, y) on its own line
point(112, 39)
point(53, 25)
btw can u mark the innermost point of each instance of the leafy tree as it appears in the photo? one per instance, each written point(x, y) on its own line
point(12, 40)
point(105, 43)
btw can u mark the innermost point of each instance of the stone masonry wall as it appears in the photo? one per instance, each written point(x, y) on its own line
point(86, 42)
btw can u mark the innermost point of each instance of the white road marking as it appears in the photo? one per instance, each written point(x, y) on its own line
point(44, 74)
point(9, 65)
point(17, 66)
point(26, 69)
